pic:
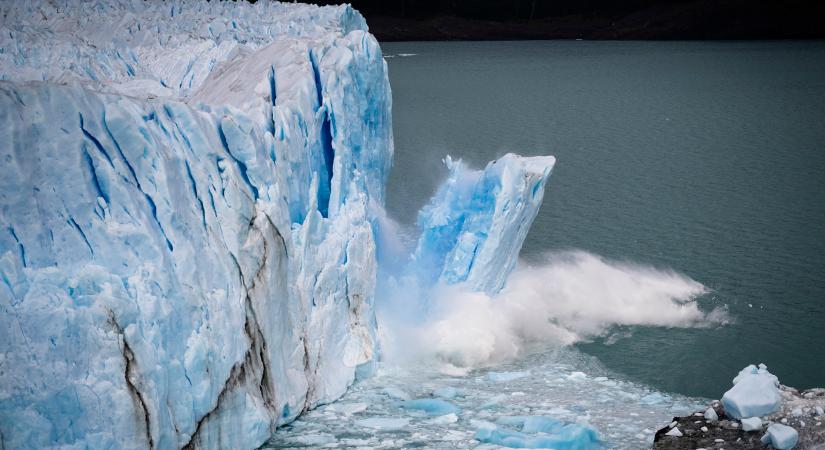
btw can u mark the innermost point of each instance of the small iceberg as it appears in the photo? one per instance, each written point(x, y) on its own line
point(383, 423)
point(755, 393)
point(431, 406)
point(782, 437)
point(539, 432)
point(499, 377)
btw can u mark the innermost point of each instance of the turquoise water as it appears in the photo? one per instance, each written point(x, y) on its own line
point(706, 158)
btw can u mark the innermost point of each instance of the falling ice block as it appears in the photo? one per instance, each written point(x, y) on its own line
point(473, 228)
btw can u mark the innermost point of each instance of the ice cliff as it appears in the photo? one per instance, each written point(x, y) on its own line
point(186, 252)
point(188, 208)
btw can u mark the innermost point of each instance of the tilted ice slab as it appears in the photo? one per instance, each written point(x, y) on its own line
point(473, 229)
point(186, 249)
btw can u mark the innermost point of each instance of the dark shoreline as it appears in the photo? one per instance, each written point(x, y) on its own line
point(453, 28)
point(445, 20)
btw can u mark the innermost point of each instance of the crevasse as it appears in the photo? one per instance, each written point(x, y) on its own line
point(188, 202)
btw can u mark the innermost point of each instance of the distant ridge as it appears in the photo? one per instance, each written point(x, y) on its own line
point(436, 20)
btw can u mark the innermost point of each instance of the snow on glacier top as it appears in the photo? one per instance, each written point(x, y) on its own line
point(150, 49)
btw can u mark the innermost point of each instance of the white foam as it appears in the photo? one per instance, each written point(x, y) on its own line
point(574, 296)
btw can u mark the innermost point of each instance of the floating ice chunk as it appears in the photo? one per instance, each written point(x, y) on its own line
point(483, 424)
point(315, 439)
point(347, 408)
point(577, 376)
point(494, 401)
point(704, 429)
point(499, 377)
point(541, 424)
point(446, 419)
point(568, 437)
point(782, 437)
point(796, 412)
point(431, 406)
point(655, 398)
point(755, 393)
point(710, 414)
point(819, 411)
point(383, 423)
point(447, 392)
point(674, 432)
point(752, 424)
point(396, 393)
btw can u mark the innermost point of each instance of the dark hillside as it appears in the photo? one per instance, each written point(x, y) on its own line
point(592, 19)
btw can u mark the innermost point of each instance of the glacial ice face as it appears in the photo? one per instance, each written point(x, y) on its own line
point(473, 229)
point(189, 207)
point(186, 251)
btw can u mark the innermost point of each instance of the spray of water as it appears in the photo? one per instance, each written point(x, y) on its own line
point(573, 296)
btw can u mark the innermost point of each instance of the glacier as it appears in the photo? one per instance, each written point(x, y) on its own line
point(187, 254)
point(192, 209)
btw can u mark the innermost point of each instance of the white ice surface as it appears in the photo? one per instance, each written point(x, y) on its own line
point(782, 437)
point(755, 393)
point(600, 401)
point(186, 249)
point(752, 424)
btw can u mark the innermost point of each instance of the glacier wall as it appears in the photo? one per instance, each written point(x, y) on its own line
point(186, 252)
point(191, 213)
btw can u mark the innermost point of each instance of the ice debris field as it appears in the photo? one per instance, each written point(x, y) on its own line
point(194, 251)
point(541, 401)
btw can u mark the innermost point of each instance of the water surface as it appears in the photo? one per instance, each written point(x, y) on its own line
point(704, 157)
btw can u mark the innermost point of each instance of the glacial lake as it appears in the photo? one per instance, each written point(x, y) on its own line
point(705, 158)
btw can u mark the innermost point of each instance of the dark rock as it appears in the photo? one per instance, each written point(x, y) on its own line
point(809, 425)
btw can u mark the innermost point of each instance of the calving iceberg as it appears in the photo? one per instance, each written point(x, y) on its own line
point(186, 251)
point(473, 229)
point(432, 299)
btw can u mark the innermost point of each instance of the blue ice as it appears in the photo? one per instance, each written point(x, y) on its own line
point(540, 433)
point(755, 393)
point(431, 406)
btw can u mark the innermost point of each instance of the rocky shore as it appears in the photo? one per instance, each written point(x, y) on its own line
point(802, 411)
